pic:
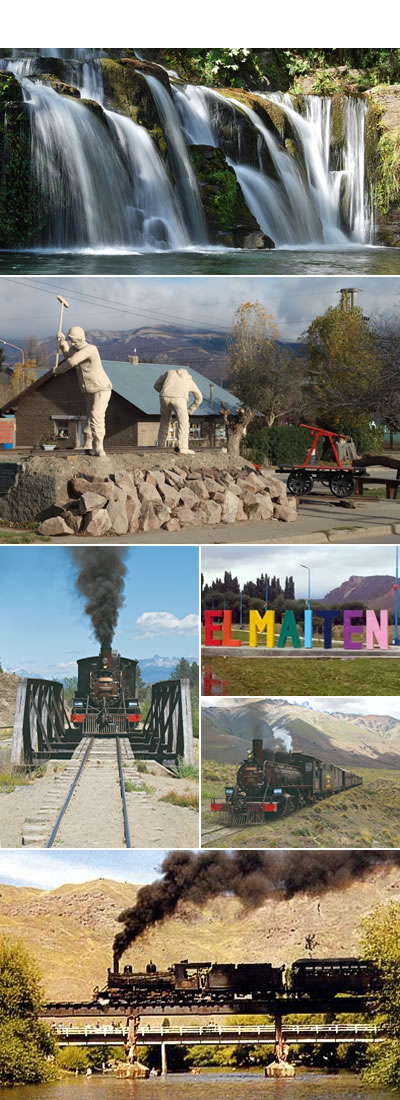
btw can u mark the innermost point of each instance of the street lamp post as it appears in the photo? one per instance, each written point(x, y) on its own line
point(307, 567)
point(7, 342)
point(308, 612)
point(395, 592)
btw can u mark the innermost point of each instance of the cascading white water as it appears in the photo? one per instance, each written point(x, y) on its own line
point(156, 215)
point(194, 110)
point(185, 179)
point(291, 210)
point(105, 182)
point(106, 185)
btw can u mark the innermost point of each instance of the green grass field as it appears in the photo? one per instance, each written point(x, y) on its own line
point(362, 817)
point(253, 676)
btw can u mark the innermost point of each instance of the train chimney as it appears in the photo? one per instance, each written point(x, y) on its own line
point(258, 749)
point(106, 655)
point(115, 963)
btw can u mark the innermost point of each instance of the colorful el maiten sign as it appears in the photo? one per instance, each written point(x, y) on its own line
point(218, 629)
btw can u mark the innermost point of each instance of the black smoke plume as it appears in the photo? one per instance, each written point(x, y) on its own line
point(100, 580)
point(250, 876)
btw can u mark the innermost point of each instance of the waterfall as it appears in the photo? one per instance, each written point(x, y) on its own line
point(105, 183)
point(177, 150)
point(193, 107)
point(105, 186)
point(156, 216)
point(297, 209)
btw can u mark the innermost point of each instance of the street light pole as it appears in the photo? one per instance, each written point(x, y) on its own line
point(307, 567)
point(308, 612)
point(7, 342)
point(395, 592)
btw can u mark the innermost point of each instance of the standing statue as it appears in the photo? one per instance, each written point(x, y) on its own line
point(174, 387)
point(93, 381)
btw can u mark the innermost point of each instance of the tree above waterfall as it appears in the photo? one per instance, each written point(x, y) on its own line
point(262, 372)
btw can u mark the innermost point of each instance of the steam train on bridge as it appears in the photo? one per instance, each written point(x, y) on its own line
point(105, 701)
point(212, 983)
point(271, 782)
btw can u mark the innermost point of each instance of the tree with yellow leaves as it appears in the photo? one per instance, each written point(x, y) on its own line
point(344, 365)
point(262, 373)
point(23, 376)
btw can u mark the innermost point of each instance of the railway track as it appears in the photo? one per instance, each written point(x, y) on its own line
point(85, 804)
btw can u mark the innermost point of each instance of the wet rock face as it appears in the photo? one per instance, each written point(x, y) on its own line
point(228, 218)
point(145, 501)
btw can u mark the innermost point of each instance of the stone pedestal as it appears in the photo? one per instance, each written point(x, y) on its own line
point(280, 1069)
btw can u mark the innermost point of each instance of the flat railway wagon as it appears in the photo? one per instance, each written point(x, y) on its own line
point(277, 783)
point(106, 702)
point(209, 982)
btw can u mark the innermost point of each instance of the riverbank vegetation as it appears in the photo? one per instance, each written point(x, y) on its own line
point(26, 1045)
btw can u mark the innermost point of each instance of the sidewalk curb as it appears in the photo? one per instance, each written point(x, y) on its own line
point(332, 535)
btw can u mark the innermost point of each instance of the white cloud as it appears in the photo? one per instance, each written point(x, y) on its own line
point(154, 623)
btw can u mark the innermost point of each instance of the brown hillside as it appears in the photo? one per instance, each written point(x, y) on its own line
point(8, 694)
point(374, 592)
point(70, 930)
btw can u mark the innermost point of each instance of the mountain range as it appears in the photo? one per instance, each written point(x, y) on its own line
point(350, 741)
point(374, 592)
point(200, 348)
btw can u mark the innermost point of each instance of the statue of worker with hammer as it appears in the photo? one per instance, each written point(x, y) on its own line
point(93, 381)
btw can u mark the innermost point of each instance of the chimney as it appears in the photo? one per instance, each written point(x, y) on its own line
point(349, 296)
point(258, 749)
point(211, 393)
point(115, 963)
point(133, 358)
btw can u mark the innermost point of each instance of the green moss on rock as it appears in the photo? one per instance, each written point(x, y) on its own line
point(22, 207)
point(227, 215)
point(126, 91)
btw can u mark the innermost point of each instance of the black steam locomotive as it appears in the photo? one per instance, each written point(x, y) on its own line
point(105, 702)
point(206, 983)
point(270, 782)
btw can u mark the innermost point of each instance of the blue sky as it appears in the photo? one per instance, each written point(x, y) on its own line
point(43, 625)
point(48, 869)
point(28, 305)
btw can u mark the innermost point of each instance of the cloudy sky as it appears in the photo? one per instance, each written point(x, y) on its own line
point(44, 625)
point(330, 566)
point(28, 306)
point(350, 704)
point(49, 869)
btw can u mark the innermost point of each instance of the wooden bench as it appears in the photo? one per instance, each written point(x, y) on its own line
point(392, 485)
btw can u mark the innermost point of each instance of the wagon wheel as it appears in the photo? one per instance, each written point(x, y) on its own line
point(341, 484)
point(298, 482)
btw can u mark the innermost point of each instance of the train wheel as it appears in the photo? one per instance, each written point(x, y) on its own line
point(298, 482)
point(342, 484)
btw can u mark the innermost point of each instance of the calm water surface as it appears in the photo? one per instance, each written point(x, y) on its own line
point(365, 261)
point(222, 1086)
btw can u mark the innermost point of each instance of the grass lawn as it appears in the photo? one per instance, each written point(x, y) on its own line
point(252, 676)
point(20, 535)
point(362, 817)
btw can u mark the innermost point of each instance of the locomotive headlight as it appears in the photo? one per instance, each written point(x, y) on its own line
point(229, 792)
point(277, 790)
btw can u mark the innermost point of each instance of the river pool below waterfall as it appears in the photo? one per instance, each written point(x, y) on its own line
point(354, 261)
point(224, 1086)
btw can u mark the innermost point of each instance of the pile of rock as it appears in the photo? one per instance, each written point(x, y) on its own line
point(168, 499)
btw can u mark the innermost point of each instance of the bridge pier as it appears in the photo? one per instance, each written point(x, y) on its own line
point(164, 1063)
